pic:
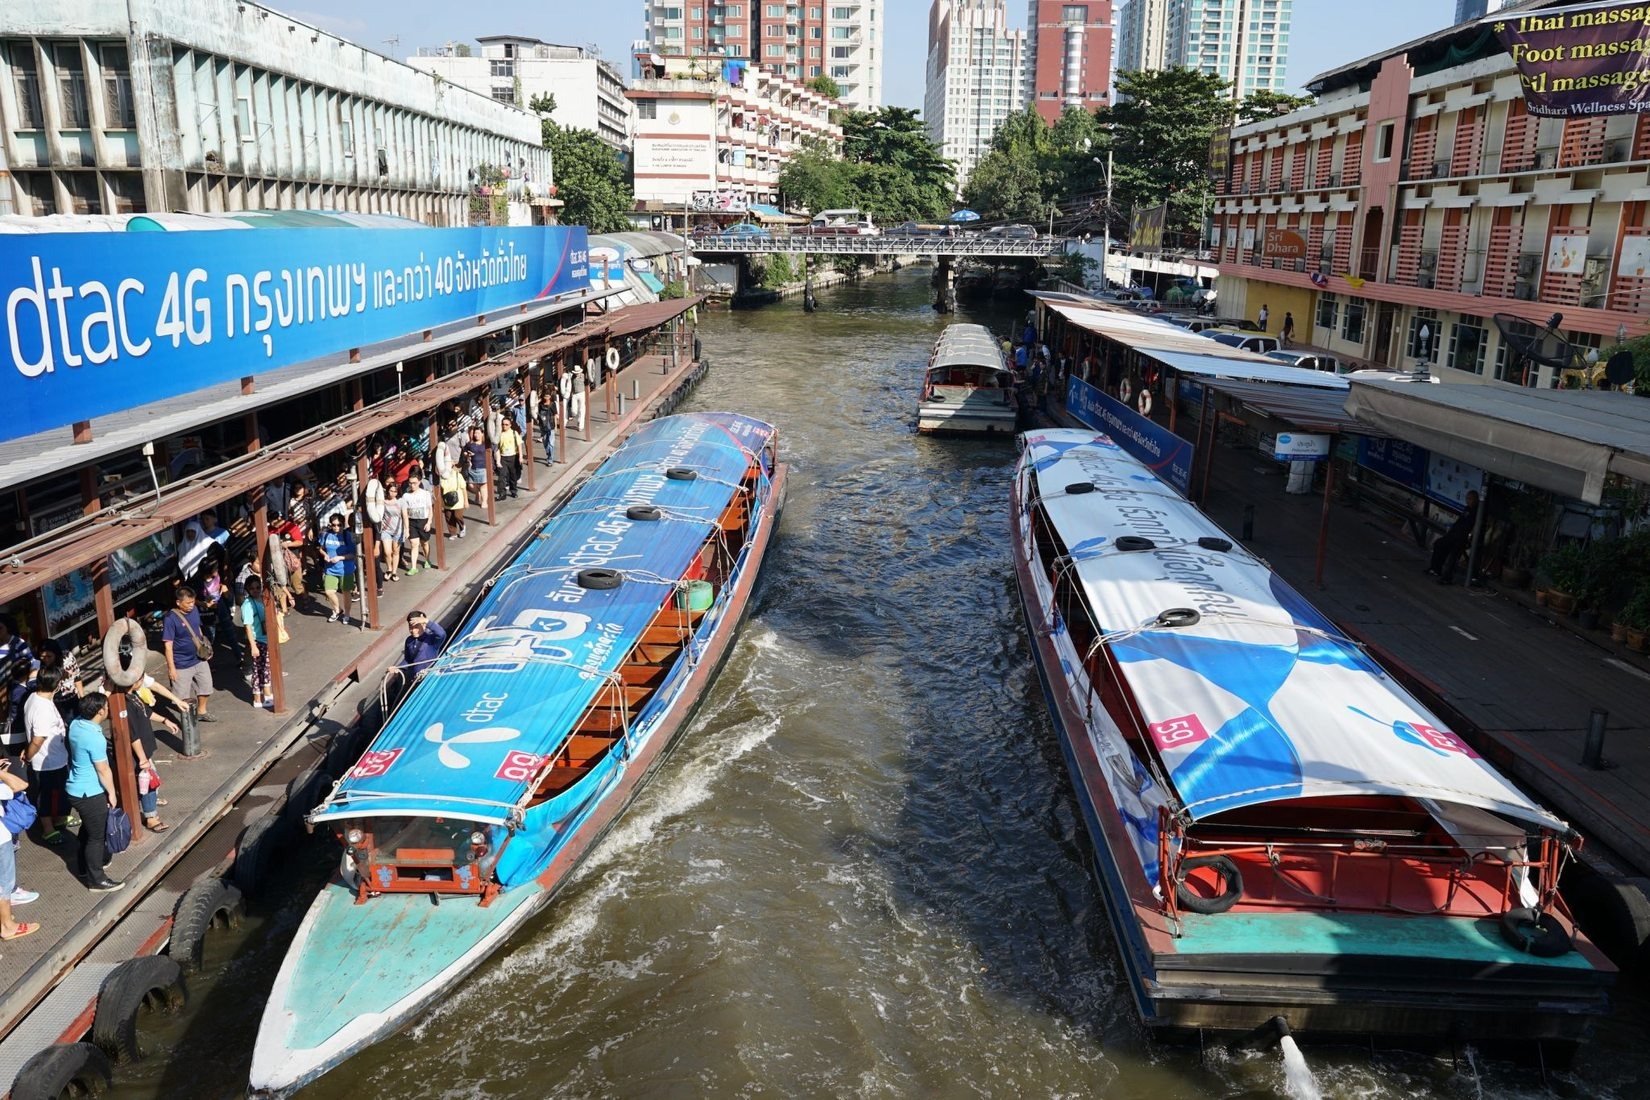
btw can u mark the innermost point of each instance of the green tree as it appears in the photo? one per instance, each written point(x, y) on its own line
point(1013, 180)
point(1160, 131)
point(1266, 104)
point(814, 179)
point(589, 179)
point(544, 103)
point(824, 85)
point(896, 138)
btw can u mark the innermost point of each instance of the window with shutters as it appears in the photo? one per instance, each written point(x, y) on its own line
point(73, 106)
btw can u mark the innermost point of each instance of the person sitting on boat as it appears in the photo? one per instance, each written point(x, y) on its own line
point(424, 643)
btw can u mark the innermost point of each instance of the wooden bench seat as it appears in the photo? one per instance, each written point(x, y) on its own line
point(642, 675)
point(582, 748)
point(600, 720)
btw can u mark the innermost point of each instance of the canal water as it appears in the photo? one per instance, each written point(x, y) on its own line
point(863, 872)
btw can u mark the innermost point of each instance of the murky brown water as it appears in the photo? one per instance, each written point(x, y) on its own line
point(863, 873)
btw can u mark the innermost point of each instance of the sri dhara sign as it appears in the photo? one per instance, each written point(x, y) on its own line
point(94, 323)
point(1589, 59)
point(1283, 244)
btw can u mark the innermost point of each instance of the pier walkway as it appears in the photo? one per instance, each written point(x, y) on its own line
point(49, 980)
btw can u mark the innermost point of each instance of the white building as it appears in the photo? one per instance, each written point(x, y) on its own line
point(976, 77)
point(841, 39)
point(1245, 41)
point(123, 106)
point(512, 69)
point(713, 134)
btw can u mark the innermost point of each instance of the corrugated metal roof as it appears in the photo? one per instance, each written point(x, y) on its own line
point(1305, 408)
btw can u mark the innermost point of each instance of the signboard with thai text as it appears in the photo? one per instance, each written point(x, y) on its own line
point(1300, 447)
point(1582, 60)
point(1168, 456)
point(70, 599)
point(95, 323)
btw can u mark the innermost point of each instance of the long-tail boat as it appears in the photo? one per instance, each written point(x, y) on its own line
point(1280, 828)
point(525, 740)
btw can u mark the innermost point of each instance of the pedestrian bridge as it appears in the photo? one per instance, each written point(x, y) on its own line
point(962, 245)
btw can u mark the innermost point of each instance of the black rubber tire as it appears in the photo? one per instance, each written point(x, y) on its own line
point(156, 980)
point(66, 1069)
point(1534, 933)
point(304, 793)
point(127, 672)
point(342, 753)
point(600, 580)
point(210, 903)
point(1614, 913)
point(1195, 903)
point(254, 851)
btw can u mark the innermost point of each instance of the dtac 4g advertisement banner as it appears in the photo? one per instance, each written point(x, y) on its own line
point(1168, 456)
point(94, 323)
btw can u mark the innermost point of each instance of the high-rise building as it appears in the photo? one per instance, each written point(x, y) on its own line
point(1245, 41)
point(1140, 25)
point(589, 92)
point(1476, 9)
point(1068, 55)
point(976, 77)
point(841, 39)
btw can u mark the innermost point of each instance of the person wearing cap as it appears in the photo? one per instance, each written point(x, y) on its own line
point(423, 645)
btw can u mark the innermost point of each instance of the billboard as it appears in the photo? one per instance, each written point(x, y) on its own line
point(1582, 60)
point(1146, 228)
point(1168, 456)
point(1283, 244)
point(94, 323)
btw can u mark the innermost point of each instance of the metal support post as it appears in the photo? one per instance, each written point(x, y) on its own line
point(1592, 753)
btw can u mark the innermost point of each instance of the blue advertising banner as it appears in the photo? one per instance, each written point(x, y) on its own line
point(1435, 476)
point(94, 323)
point(1169, 456)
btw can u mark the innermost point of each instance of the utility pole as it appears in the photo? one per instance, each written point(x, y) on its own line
point(1105, 241)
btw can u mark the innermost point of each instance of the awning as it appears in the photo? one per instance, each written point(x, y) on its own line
point(1305, 408)
point(772, 215)
point(1565, 441)
point(1249, 368)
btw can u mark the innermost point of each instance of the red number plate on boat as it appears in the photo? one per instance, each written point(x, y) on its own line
point(373, 764)
point(518, 766)
point(1177, 733)
point(1444, 739)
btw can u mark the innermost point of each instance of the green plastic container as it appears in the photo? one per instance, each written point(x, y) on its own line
point(697, 596)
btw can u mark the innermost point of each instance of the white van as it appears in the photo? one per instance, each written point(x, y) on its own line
point(840, 223)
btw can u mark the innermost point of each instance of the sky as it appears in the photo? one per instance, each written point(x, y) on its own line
point(1325, 33)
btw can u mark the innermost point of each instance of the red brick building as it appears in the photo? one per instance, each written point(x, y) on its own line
point(1068, 55)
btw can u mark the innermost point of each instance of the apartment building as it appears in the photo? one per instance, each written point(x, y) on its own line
point(512, 69)
point(125, 106)
point(1068, 55)
point(1245, 41)
point(1418, 198)
point(841, 39)
point(713, 134)
point(1477, 9)
point(976, 77)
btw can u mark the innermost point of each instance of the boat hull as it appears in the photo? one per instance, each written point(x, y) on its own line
point(1325, 972)
point(939, 420)
point(360, 952)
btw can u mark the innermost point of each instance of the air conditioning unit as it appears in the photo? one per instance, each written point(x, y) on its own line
point(1440, 168)
point(1423, 279)
point(1545, 158)
point(1592, 277)
point(1429, 261)
point(1524, 290)
point(1617, 151)
point(1528, 264)
point(1334, 179)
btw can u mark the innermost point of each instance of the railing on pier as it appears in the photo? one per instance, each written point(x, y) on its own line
point(822, 244)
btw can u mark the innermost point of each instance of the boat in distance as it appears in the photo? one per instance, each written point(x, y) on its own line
point(1280, 829)
point(526, 739)
point(968, 386)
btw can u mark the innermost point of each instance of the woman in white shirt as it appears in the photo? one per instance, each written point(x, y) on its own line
point(417, 503)
point(48, 754)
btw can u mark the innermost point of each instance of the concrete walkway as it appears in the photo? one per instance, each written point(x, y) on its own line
point(1517, 679)
point(249, 753)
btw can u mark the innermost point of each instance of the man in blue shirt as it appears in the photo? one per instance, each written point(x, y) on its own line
point(191, 676)
point(338, 580)
point(424, 643)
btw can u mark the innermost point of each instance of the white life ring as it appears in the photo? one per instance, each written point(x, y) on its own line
point(375, 500)
point(1144, 402)
point(1125, 391)
point(124, 674)
point(443, 460)
point(591, 371)
point(613, 359)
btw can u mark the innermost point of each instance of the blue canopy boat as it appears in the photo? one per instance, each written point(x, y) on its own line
point(524, 742)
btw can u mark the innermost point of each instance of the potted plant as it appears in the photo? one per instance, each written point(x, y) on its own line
point(1567, 570)
point(1528, 515)
point(1636, 618)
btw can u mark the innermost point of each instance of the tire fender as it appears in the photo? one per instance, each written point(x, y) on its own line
point(125, 673)
point(1196, 903)
point(304, 793)
point(210, 903)
point(254, 850)
point(57, 1069)
point(375, 500)
point(612, 359)
point(1536, 933)
point(156, 980)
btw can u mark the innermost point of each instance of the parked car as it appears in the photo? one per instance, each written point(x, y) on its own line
point(1234, 322)
point(1012, 232)
point(920, 229)
point(741, 231)
point(1309, 360)
point(1249, 341)
point(840, 223)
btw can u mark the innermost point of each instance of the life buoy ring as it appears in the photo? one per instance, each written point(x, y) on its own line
point(1535, 933)
point(1197, 903)
point(612, 359)
point(375, 500)
point(1144, 402)
point(592, 373)
point(57, 1069)
point(150, 979)
point(210, 903)
point(125, 653)
point(1125, 391)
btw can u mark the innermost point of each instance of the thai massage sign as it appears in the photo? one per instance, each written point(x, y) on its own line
point(94, 323)
point(1583, 60)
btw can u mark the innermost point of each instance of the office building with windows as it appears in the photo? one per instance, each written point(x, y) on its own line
point(1140, 26)
point(1068, 55)
point(213, 105)
point(976, 77)
point(1418, 198)
point(841, 39)
point(1245, 41)
point(1476, 9)
point(589, 92)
